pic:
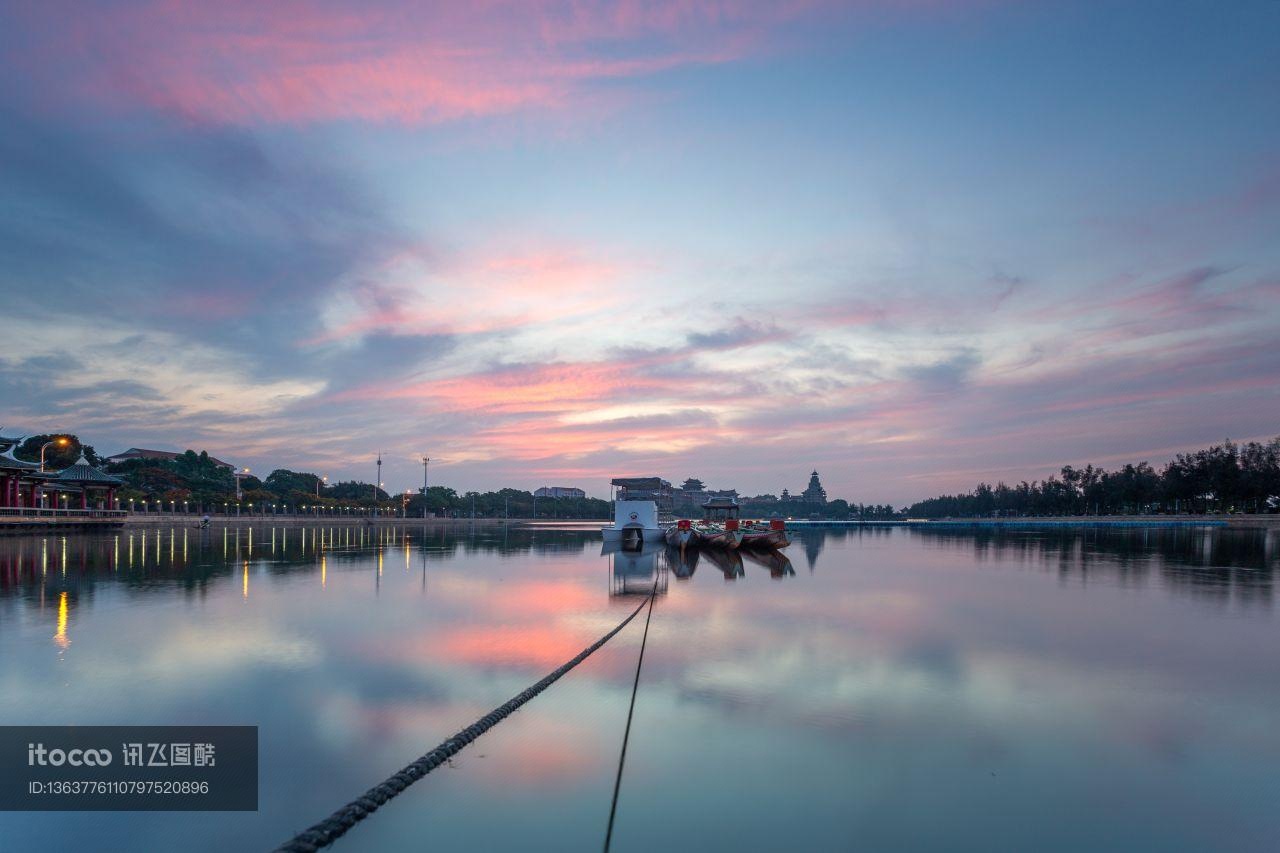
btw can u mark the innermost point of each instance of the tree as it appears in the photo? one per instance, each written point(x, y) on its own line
point(355, 491)
point(283, 482)
point(57, 456)
point(1224, 477)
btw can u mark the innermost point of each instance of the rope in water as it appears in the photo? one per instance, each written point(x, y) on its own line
point(626, 735)
point(336, 825)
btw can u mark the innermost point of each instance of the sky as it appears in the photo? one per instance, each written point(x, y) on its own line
point(912, 244)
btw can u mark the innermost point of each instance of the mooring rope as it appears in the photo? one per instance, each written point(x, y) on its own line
point(336, 825)
point(626, 735)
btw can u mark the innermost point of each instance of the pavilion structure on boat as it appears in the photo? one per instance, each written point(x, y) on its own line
point(720, 508)
point(653, 489)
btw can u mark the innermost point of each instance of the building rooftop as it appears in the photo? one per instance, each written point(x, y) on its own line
point(83, 472)
point(8, 460)
point(144, 453)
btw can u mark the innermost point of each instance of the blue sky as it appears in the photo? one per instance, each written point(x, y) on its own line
point(912, 244)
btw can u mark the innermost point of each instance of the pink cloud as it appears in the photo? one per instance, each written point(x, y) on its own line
point(496, 291)
point(240, 62)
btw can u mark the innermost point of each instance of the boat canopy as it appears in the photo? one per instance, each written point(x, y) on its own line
point(638, 483)
point(720, 508)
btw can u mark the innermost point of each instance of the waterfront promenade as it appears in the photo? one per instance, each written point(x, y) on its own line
point(15, 522)
point(48, 520)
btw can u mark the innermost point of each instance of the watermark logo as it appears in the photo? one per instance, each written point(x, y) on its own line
point(128, 768)
point(38, 755)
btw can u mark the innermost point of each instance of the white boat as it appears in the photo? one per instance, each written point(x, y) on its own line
point(635, 525)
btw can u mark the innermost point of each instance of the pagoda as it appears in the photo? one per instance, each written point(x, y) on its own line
point(815, 494)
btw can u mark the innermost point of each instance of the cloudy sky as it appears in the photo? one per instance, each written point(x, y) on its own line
point(911, 243)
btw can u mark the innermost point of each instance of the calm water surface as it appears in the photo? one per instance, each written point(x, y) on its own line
point(882, 690)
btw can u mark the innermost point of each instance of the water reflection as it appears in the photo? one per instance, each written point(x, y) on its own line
point(731, 564)
point(1207, 563)
point(776, 562)
point(967, 675)
point(636, 573)
point(192, 558)
point(1213, 565)
point(195, 555)
point(728, 562)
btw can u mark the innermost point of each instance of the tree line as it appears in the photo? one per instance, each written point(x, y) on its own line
point(1226, 477)
point(200, 483)
point(768, 506)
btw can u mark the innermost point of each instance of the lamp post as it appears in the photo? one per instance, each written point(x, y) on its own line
point(60, 441)
point(426, 461)
point(324, 479)
point(240, 475)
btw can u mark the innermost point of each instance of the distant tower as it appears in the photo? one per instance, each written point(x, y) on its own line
point(815, 494)
point(377, 484)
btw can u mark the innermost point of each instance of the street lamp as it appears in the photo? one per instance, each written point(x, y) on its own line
point(426, 461)
point(240, 475)
point(60, 441)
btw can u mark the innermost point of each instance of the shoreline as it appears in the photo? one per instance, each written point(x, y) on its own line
point(17, 526)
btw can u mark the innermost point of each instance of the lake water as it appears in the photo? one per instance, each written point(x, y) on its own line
point(886, 689)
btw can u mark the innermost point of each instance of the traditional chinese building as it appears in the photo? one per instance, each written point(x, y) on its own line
point(24, 486)
point(691, 494)
point(815, 494)
point(21, 482)
point(719, 508)
point(97, 489)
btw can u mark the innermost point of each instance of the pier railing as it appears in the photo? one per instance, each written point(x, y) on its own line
point(36, 512)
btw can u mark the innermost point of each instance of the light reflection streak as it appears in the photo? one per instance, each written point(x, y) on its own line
point(60, 637)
